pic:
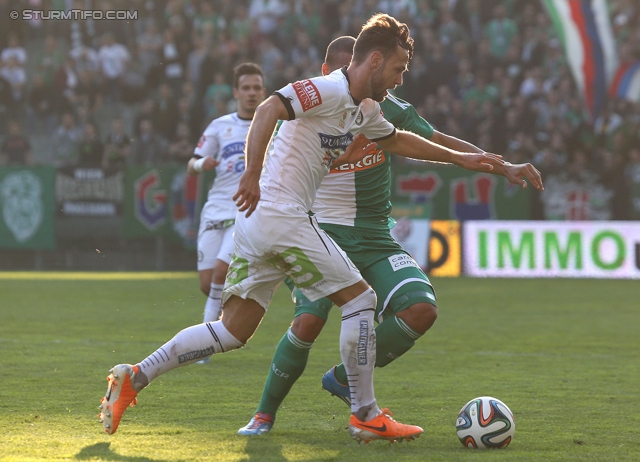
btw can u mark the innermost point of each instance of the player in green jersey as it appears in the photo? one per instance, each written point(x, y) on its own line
point(359, 220)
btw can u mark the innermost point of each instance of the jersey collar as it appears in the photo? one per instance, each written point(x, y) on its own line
point(344, 71)
point(242, 118)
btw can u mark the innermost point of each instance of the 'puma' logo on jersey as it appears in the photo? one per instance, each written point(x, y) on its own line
point(335, 141)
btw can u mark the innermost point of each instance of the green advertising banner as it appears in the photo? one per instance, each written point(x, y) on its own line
point(445, 192)
point(27, 207)
point(164, 201)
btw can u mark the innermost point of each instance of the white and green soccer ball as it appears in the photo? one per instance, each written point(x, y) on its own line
point(485, 422)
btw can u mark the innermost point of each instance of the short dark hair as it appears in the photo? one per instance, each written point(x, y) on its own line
point(246, 69)
point(342, 44)
point(382, 33)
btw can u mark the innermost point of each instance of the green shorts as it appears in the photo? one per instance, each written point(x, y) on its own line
point(396, 278)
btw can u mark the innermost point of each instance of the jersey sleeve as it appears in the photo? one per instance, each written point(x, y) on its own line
point(208, 145)
point(405, 117)
point(309, 97)
point(375, 126)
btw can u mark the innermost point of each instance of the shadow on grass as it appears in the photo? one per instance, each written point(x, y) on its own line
point(102, 451)
point(262, 447)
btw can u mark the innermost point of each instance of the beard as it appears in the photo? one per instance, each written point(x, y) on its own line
point(378, 89)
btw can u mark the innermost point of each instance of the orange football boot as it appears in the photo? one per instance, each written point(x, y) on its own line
point(120, 395)
point(382, 427)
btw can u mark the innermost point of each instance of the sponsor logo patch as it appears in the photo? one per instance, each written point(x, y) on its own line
point(232, 150)
point(402, 261)
point(363, 339)
point(335, 141)
point(196, 354)
point(201, 141)
point(308, 94)
point(334, 146)
point(369, 161)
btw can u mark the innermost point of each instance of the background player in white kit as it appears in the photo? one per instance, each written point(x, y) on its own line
point(328, 116)
point(222, 147)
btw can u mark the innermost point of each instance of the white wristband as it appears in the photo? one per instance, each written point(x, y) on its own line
point(198, 164)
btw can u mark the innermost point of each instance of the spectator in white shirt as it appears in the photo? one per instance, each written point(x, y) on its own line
point(14, 73)
point(113, 59)
point(14, 50)
point(85, 58)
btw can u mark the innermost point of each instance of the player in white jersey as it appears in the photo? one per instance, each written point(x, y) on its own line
point(221, 147)
point(352, 205)
point(276, 238)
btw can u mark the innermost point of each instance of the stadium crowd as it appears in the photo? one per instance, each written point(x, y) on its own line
point(110, 93)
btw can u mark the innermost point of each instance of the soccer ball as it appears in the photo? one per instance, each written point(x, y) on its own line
point(485, 422)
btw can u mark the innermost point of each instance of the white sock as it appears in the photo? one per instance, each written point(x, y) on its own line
point(188, 346)
point(358, 352)
point(213, 309)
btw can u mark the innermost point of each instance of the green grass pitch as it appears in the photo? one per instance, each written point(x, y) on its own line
point(562, 354)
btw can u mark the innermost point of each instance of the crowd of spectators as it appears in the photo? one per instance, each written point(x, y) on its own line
point(492, 72)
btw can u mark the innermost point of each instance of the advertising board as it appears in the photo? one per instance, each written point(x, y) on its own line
point(596, 249)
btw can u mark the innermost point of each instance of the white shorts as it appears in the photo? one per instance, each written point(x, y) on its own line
point(279, 241)
point(215, 242)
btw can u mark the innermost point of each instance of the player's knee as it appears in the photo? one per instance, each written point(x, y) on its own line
point(307, 327)
point(370, 299)
point(362, 303)
point(419, 316)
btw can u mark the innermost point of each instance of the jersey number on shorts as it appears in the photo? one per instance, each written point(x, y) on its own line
point(238, 270)
point(295, 264)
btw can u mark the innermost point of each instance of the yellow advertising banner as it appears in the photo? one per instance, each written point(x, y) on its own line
point(444, 248)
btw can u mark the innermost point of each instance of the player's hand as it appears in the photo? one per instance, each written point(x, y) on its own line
point(248, 194)
point(359, 148)
point(516, 173)
point(481, 162)
point(210, 163)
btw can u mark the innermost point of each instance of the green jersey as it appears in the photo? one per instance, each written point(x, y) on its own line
point(359, 194)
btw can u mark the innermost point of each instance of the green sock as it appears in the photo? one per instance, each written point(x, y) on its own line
point(287, 366)
point(393, 339)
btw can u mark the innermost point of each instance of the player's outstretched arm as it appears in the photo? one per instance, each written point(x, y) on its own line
point(407, 144)
point(262, 127)
point(515, 173)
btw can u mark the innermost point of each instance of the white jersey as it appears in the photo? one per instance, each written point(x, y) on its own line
point(224, 140)
point(326, 121)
